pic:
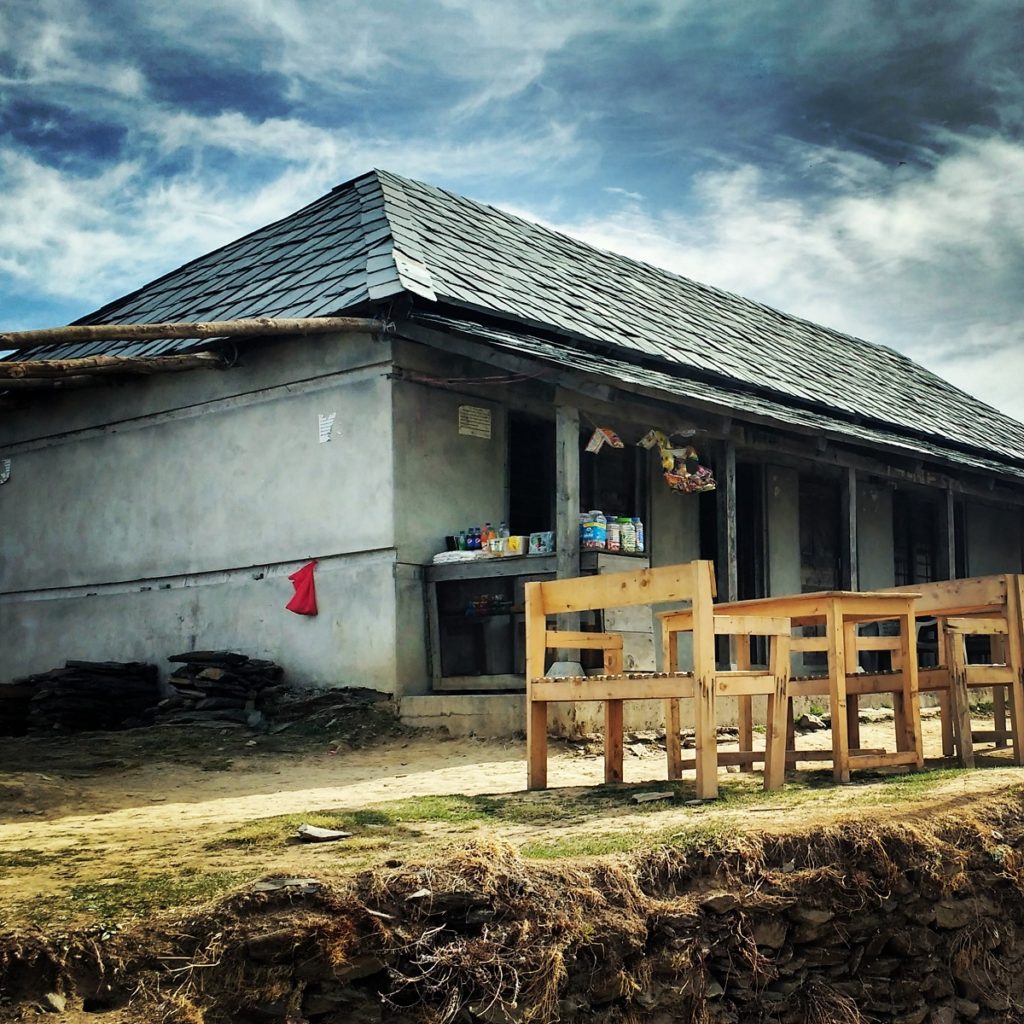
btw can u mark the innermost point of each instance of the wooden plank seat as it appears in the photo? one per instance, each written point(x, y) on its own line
point(692, 583)
point(981, 606)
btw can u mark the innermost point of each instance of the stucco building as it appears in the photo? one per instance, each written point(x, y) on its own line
point(146, 514)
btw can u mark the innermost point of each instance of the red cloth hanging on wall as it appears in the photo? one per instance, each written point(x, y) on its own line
point(303, 601)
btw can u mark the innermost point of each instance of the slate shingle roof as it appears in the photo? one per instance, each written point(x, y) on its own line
point(381, 235)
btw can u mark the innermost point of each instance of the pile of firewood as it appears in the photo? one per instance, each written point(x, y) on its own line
point(220, 689)
point(91, 695)
point(15, 701)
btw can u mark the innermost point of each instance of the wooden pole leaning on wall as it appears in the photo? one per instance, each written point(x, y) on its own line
point(260, 326)
point(50, 372)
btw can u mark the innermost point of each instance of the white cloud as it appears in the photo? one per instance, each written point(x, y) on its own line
point(929, 264)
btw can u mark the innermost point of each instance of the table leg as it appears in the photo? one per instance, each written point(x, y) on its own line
point(673, 745)
point(613, 741)
point(837, 691)
point(745, 704)
point(911, 694)
point(790, 735)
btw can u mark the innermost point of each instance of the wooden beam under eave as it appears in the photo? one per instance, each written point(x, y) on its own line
point(22, 384)
point(260, 326)
point(37, 369)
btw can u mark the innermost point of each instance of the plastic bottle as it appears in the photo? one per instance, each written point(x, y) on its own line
point(463, 543)
point(503, 531)
point(474, 538)
point(485, 535)
point(639, 534)
point(613, 535)
point(628, 536)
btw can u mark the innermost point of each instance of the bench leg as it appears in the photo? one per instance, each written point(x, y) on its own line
point(673, 744)
point(707, 737)
point(746, 735)
point(537, 745)
point(999, 713)
point(957, 661)
point(853, 720)
point(613, 741)
point(946, 718)
point(775, 739)
point(790, 736)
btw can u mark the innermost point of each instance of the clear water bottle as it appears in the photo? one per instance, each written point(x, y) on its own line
point(639, 527)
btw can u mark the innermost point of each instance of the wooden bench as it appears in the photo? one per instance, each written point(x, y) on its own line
point(691, 583)
point(985, 606)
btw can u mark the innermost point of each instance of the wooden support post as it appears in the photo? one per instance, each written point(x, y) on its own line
point(848, 532)
point(947, 540)
point(567, 504)
point(727, 569)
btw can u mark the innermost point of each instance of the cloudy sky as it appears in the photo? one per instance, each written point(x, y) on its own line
point(857, 162)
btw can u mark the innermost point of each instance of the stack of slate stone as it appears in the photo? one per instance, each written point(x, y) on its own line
point(92, 695)
point(220, 689)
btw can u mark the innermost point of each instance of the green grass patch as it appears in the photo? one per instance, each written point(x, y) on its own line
point(687, 839)
point(25, 858)
point(112, 901)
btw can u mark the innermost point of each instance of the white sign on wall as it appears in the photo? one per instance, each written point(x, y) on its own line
point(475, 421)
point(326, 423)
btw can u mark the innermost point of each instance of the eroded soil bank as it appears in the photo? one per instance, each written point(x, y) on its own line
point(920, 922)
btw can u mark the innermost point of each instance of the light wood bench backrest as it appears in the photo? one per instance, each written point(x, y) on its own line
point(956, 597)
point(622, 589)
point(693, 582)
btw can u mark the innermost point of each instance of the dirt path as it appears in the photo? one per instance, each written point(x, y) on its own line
point(75, 823)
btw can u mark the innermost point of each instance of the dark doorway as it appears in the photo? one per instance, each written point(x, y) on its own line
point(750, 531)
point(820, 552)
point(915, 534)
point(531, 474)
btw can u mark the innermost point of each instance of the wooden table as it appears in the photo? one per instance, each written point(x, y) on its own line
point(840, 612)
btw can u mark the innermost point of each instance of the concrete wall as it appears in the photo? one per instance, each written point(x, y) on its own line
point(193, 485)
point(993, 536)
point(876, 567)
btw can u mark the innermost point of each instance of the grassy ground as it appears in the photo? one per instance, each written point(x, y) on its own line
point(95, 840)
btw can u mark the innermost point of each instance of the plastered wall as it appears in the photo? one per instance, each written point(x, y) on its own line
point(147, 518)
